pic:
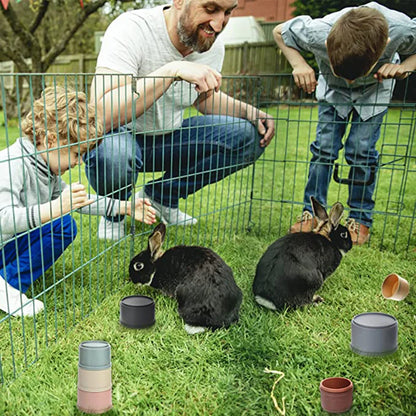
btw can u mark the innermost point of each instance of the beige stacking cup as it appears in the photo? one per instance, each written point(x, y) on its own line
point(93, 380)
point(395, 287)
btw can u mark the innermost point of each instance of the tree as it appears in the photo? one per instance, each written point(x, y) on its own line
point(33, 37)
point(320, 8)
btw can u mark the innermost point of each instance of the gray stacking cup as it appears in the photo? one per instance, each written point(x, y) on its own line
point(94, 355)
point(374, 334)
point(137, 311)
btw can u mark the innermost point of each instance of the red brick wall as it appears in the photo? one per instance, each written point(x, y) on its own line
point(268, 10)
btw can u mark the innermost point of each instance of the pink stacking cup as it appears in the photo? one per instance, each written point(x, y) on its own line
point(94, 402)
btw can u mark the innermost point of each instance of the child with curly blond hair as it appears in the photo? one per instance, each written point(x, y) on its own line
point(35, 203)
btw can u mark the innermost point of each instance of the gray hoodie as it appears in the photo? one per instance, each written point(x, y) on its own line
point(25, 183)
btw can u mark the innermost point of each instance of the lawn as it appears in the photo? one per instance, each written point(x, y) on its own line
point(164, 371)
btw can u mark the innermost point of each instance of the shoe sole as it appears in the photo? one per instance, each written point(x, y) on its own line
point(191, 221)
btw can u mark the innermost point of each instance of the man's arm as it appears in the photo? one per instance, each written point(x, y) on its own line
point(217, 102)
point(113, 95)
point(303, 73)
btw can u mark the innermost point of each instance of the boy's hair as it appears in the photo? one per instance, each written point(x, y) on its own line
point(356, 42)
point(65, 116)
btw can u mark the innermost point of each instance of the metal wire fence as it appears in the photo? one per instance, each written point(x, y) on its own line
point(395, 182)
point(264, 197)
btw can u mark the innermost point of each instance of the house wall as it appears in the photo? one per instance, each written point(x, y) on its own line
point(268, 10)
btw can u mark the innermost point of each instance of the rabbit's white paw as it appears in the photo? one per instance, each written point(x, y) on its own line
point(194, 329)
point(266, 303)
point(317, 299)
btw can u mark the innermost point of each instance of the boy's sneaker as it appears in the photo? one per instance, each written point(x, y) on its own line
point(16, 303)
point(110, 230)
point(168, 215)
point(305, 223)
point(360, 233)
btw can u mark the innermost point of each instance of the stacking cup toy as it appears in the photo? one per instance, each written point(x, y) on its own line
point(94, 377)
point(374, 334)
point(395, 287)
point(137, 311)
point(336, 394)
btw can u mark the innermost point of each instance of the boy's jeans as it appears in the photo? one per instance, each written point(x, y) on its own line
point(24, 259)
point(360, 154)
point(205, 150)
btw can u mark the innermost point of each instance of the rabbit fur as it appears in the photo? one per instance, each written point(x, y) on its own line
point(295, 266)
point(199, 279)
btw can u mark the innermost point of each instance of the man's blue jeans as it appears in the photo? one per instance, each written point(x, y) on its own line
point(360, 154)
point(27, 257)
point(205, 150)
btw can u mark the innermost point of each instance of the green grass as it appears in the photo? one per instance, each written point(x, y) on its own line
point(162, 370)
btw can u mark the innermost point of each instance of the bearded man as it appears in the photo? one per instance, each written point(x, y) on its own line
point(175, 56)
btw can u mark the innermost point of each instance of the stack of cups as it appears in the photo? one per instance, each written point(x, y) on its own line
point(94, 377)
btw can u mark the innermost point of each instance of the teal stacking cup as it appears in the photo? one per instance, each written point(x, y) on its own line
point(94, 355)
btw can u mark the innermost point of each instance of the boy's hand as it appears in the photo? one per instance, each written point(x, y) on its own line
point(396, 71)
point(73, 198)
point(304, 77)
point(143, 211)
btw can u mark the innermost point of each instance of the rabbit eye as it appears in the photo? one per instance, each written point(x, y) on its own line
point(138, 266)
point(344, 235)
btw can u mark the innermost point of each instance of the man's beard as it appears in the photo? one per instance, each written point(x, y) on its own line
point(191, 38)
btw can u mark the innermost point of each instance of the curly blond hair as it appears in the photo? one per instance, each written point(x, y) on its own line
point(63, 115)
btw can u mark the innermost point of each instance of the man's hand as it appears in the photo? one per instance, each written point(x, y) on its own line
point(202, 76)
point(266, 127)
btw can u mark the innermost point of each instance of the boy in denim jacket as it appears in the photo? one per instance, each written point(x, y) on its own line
point(357, 50)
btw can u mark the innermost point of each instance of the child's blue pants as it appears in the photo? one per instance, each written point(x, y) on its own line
point(29, 255)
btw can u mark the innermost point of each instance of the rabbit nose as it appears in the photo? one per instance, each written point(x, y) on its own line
point(138, 266)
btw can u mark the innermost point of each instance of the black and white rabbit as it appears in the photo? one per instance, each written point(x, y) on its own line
point(295, 266)
point(202, 283)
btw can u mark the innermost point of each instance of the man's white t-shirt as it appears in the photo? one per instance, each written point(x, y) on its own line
point(137, 43)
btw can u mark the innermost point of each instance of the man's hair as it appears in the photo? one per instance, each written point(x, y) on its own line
point(65, 115)
point(356, 42)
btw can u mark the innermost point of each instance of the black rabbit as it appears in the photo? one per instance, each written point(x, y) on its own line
point(295, 266)
point(199, 279)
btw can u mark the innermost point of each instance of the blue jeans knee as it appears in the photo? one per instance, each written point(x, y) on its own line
point(112, 167)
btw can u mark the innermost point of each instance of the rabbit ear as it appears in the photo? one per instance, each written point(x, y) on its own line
point(319, 210)
point(335, 214)
point(156, 241)
point(321, 216)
